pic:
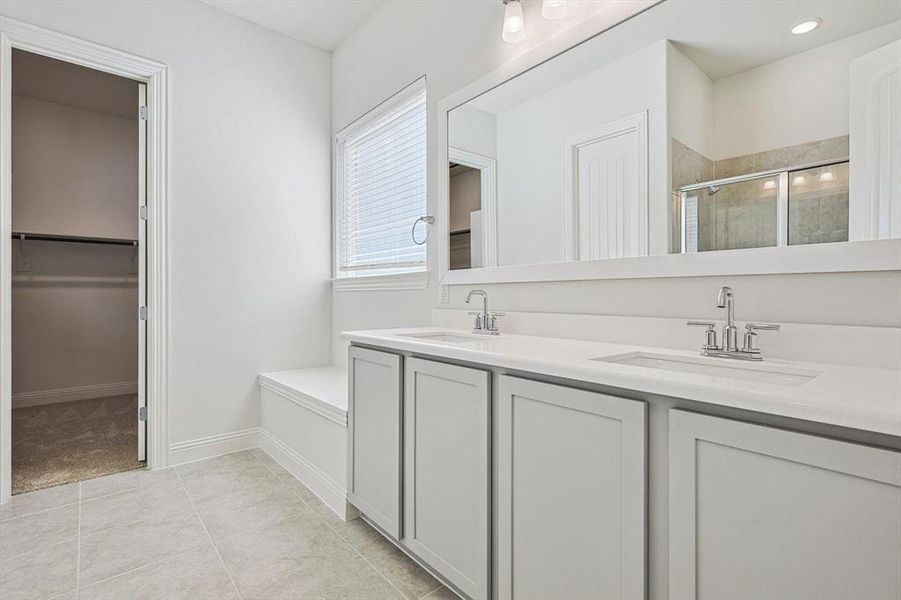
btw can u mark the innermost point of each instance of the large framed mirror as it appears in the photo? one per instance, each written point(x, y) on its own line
point(692, 138)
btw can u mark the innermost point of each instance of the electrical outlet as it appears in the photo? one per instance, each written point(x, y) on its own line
point(443, 294)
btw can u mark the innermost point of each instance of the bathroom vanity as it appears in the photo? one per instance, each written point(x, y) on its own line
point(528, 467)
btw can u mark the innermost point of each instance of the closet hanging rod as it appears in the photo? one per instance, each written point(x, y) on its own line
point(73, 239)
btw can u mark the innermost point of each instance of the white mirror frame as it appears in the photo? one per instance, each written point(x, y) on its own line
point(875, 255)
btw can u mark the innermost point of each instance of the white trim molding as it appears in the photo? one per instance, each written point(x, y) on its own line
point(213, 445)
point(71, 394)
point(331, 492)
point(24, 36)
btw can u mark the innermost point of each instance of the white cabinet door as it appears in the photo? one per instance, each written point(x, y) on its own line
point(571, 493)
point(757, 512)
point(446, 453)
point(374, 442)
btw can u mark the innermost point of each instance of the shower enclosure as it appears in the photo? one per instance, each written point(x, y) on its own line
point(805, 204)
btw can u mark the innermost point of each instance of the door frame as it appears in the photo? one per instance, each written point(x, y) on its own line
point(24, 36)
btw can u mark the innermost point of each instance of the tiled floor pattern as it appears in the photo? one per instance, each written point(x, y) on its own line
point(233, 527)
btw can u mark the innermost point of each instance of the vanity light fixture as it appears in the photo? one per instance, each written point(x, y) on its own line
point(514, 23)
point(806, 26)
point(826, 176)
point(553, 9)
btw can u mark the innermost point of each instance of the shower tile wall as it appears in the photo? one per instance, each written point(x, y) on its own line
point(744, 215)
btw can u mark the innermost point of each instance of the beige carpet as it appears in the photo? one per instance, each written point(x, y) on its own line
point(73, 441)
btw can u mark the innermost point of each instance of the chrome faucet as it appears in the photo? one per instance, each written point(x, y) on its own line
point(725, 298)
point(486, 322)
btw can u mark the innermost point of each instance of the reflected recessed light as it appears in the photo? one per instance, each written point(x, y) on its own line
point(769, 185)
point(798, 180)
point(806, 26)
point(827, 176)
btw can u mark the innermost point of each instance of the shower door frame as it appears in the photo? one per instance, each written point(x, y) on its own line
point(24, 36)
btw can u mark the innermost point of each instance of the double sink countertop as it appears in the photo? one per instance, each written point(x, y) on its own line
point(861, 398)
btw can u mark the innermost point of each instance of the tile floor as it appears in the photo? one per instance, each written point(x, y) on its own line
point(233, 527)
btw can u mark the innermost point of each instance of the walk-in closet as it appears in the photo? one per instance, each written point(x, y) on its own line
point(77, 274)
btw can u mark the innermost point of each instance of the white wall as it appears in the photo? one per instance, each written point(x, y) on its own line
point(801, 98)
point(689, 101)
point(473, 130)
point(249, 197)
point(531, 138)
point(404, 40)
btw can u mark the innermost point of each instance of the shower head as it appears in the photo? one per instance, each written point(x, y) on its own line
point(712, 189)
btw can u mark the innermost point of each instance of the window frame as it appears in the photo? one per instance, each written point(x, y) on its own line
point(409, 280)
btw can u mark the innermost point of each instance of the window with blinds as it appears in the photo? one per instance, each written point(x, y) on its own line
point(381, 188)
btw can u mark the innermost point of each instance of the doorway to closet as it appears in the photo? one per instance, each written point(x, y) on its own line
point(78, 272)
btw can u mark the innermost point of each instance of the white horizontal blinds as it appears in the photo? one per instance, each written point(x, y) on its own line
point(382, 188)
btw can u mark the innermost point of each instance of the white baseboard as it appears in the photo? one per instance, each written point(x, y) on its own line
point(71, 394)
point(213, 445)
point(331, 492)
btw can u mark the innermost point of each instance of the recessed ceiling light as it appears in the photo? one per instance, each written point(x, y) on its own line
point(806, 26)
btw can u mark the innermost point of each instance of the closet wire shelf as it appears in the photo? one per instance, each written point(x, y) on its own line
point(73, 239)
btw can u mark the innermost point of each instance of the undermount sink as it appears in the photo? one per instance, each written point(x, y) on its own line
point(441, 337)
point(714, 367)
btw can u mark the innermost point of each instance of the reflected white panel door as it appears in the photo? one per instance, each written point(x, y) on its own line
point(374, 436)
point(571, 493)
point(757, 512)
point(141, 260)
point(607, 192)
point(446, 468)
point(875, 144)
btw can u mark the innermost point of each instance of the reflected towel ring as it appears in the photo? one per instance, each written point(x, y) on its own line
point(429, 220)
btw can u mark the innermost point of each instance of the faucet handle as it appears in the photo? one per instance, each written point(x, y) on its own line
point(749, 345)
point(710, 341)
point(491, 325)
point(477, 326)
point(707, 324)
point(762, 327)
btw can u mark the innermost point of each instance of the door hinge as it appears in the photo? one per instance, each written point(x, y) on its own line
point(142, 313)
point(142, 414)
point(142, 213)
point(143, 112)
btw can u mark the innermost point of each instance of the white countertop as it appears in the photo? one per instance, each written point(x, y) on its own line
point(856, 397)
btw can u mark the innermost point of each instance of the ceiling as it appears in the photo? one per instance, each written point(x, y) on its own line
point(322, 23)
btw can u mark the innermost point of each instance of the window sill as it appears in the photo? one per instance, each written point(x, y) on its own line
point(401, 281)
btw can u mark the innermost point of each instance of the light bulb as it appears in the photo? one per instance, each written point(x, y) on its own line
point(826, 176)
point(553, 9)
point(806, 26)
point(514, 24)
